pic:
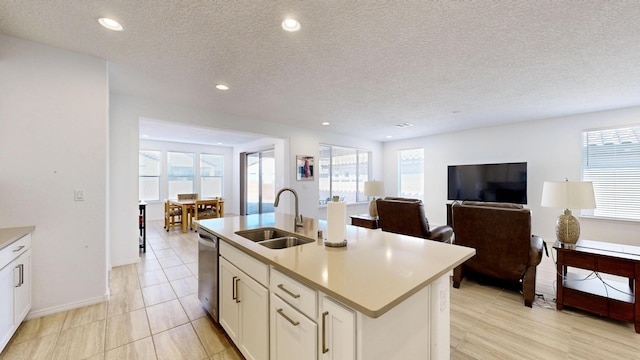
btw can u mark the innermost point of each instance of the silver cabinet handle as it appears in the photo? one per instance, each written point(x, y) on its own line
point(20, 268)
point(19, 248)
point(293, 322)
point(281, 287)
point(325, 349)
point(235, 289)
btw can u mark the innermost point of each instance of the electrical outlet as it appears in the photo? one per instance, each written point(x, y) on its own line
point(78, 194)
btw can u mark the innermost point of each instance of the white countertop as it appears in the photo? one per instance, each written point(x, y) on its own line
point(375, 272)
point(9, 235)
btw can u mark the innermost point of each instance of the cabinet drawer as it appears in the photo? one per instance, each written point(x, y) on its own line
point(14, 250)
point(618, 267)
point(256, 269)
point(298, 295)
point(579, 260)
point(293, 335)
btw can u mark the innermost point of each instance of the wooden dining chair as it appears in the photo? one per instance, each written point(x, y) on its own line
point(206, 209)
point(187, 196)
point(172, 215)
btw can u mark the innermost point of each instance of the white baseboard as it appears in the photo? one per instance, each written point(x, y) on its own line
point(129, 261)
point(56, 309)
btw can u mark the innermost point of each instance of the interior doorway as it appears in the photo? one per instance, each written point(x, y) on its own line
point(257, 182)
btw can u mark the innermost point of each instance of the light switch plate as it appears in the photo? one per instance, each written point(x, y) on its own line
point(78, 194)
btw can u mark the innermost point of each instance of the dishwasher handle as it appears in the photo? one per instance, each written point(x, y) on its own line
point(207, 239)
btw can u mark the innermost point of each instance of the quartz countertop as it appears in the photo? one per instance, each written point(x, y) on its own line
point(9, 235)
point(375, 272)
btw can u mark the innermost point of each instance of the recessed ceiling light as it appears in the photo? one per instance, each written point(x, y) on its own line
point(389, 136)
point(222, 87)
point(291, 25)
point(110, 24)
point(326, 123)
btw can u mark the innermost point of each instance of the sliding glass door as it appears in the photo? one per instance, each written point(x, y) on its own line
point(258, 182)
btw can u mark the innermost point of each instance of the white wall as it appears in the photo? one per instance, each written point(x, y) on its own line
point(552, 149)
point(54, 139)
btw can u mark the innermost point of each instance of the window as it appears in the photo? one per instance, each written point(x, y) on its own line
point(611, 160)
point(342, 172)
point(211, 171)
point(149, 175)
point(180, 173)
point(411, 173)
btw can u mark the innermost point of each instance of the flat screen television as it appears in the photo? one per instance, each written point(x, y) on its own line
point(504, 182)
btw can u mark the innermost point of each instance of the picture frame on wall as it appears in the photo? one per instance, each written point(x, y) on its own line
point(304, 166)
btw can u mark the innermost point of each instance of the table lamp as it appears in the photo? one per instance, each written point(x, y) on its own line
point(373, 188)
point(568, 195)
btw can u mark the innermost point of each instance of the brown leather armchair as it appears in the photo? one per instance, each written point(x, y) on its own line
point(406, 216)
point(505, 248)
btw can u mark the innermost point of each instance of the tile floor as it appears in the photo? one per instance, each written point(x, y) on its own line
point(153, 313)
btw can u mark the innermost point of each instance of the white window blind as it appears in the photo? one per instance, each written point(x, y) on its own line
point(342, 172)
point(611, 160)
point(149, 175)
point(180, 173)
point(211, 175)
point(411, 173)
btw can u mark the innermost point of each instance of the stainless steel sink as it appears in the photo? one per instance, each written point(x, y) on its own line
point(274, 238)
point(284, 242)
point(262, 234)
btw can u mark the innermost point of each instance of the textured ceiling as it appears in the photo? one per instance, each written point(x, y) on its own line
point(364, 66)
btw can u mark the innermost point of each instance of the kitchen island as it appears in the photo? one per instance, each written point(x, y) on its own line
point(397, 286)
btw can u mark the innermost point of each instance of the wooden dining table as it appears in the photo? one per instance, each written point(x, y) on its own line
point(187, 206)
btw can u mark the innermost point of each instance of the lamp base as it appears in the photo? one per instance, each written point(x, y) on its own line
point(567, 228)
point(373, 209)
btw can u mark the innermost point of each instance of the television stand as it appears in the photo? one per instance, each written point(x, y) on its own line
point(609, 298)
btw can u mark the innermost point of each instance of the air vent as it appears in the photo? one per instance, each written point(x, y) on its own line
point(404, 125)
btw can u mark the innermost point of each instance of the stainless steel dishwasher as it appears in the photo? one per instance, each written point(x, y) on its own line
point(208, 252)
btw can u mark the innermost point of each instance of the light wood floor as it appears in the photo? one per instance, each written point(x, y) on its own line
point(492, 323)
point(154, 313)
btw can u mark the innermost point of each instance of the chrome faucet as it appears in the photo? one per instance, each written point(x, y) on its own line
point(299, 222)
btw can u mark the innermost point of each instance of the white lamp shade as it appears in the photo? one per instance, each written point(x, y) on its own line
point(374, 188)
point(568, 195)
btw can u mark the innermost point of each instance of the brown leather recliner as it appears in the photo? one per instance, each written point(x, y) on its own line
point(406, 216)
point(505, 248)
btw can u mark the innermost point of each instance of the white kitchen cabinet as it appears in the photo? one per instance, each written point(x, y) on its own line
point(229, 309)
point(338, 331)
point(300, 296)
point(22, 289)
point(6, 309)
point(244, 311)
point(15, 286)
point(293, 335)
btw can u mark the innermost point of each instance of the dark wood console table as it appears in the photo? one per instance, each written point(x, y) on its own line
point(608, 298)
point(365, 221)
